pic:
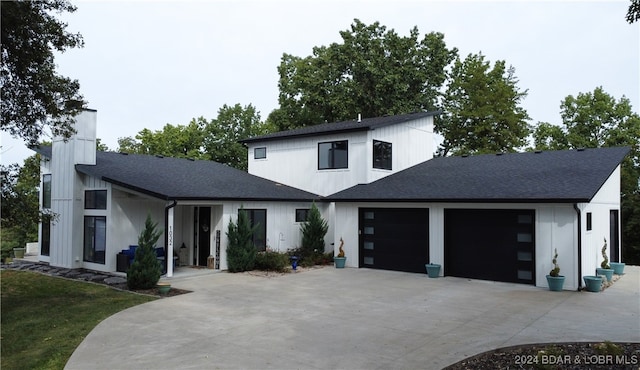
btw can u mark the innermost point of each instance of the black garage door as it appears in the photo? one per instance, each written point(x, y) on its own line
point(394, 239)
point(491, 244)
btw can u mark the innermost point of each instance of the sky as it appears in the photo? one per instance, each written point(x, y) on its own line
point(149, 63)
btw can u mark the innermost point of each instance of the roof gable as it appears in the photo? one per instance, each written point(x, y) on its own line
point(341, 127)
point(550, 176)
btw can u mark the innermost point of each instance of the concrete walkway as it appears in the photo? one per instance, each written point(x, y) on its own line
point(351, 319)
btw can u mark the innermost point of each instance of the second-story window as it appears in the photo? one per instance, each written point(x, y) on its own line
point(95, 199)
point(260, 153)
point(381, 155)
point(333, 155)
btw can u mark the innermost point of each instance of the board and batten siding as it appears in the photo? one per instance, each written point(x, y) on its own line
point(606, 199)
point(294, 161)
point(67, 196)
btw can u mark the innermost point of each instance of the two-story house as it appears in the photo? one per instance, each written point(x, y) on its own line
point(496, 217)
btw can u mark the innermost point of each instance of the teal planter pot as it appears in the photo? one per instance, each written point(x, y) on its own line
point(164, 288)
point(608, 273)
point(618, 267)
point(18, 252)
point(340, 262)
point(433, 269)
point(593, 283)
point(555, 283)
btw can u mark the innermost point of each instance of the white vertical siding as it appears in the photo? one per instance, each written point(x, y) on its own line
point(67, 191)
point(605, 200)
point(294, 161)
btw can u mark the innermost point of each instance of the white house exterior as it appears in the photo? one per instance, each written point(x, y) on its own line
point(493, 217)
point(101, 201)
point(292, 157)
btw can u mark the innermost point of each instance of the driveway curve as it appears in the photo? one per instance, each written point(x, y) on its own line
point(349, 318)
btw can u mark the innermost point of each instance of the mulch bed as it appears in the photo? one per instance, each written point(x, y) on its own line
point(576, 355)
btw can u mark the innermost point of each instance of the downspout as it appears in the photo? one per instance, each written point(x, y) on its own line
point(575, 206)
point(168, 258)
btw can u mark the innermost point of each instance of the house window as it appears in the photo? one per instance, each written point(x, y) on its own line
point(589, 221)
point(260, 153)
point(95, 199)
point(381, 155)
point(45, 238)
point(302, 214)
point(95, 238)
point(333, 155)
point(46, 191)
point(258, 219)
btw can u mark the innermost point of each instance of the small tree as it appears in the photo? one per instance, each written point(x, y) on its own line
point(241, 253)
point(605, 262)
point(313, 231)
point(555, 272)
point(145, 270)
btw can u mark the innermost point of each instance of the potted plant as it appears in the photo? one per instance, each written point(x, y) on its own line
point(593, 283)
point(618, 267)
point(18, 252)
point(433, 269)
point(605, 269)
point(554, 279)
point(340, 260)
point(163, 287)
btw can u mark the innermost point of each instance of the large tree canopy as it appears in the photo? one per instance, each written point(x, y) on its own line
point(482, 112)
point(172, 141)
point(19, 204)
point(596, 119)
point(222, 135)
point(33, 94)
point(215, 140)
point(373, 72)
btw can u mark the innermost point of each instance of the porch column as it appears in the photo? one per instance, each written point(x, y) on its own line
point(169, 254)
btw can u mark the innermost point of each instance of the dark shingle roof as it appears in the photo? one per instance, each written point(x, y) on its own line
point(340, 127)
point(566, 176)
point(184, 179)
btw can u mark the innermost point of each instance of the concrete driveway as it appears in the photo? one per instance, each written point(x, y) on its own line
point(351, 319)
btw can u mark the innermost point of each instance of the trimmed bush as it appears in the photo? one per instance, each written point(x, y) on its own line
point(313, 232)
point(145, 270)
point(241, 253)
point(272, 261)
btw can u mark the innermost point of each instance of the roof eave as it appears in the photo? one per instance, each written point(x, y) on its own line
point(469, 200)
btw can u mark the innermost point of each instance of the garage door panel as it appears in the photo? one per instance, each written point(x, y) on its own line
point(394, 239)
point(490, 244)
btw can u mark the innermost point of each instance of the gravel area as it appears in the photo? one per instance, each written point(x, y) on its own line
point(603, 355)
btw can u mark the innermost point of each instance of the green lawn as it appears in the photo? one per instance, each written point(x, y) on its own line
point(45, 318)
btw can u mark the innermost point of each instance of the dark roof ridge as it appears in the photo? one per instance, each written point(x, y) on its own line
point(353, 125)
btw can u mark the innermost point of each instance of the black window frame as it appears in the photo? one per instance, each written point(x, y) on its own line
point(259, 237)
point(45, 230)
point(378, 151)
point(46, 191)
point(89, 242)
point(302, 214)
point(263, 152)
point(92, 201)
point(45, 236)
point(333, 162)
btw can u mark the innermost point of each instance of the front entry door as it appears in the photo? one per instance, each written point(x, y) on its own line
point(204, 234)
